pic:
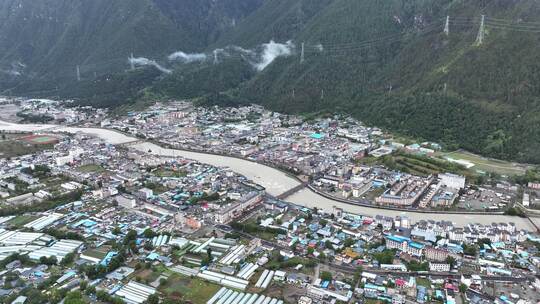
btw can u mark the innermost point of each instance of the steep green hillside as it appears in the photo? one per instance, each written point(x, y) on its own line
point(51, 37)
point(388, 62)
point(418, 80)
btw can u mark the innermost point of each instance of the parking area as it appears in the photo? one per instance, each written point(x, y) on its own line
point(513, 291)
point(483, 199)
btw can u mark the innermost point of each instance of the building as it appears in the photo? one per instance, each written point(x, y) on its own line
point(145, 193)
point(439, 267)
point(234, 210)
point(305, 300)
point(535, 186)
point(404, 192)
point(404, 244)
point(436, 254)
point(452, 180)
point(125, 201)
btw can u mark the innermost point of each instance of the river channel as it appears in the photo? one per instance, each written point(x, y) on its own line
point(275, 181)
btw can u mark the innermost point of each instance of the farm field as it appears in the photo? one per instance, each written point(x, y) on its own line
point(180, 287)
point(91, 168)
point(487, 164)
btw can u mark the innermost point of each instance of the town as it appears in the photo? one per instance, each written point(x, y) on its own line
point(87, 218)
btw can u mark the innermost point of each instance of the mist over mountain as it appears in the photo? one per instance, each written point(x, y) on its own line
point(390, 63)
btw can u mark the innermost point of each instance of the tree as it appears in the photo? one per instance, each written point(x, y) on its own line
point(90, 290)
point(48, 261)
point(153, 299)
point(116, 230)
point(469, 250)
point(451, 260)
point(349, 242)
point(326, 276)
point(328, 245)
point(162, 282)
point(148, 246)
point(130, 236)
point(83, 285)
point(74, 297)
point(68, 259)
point(463, 288)
point(483, 241)
point(149, 233)
point(384, 257)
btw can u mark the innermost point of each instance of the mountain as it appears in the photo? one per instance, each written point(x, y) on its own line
point(387, 62)
point(42, 42)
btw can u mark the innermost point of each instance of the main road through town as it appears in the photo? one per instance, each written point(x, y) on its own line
point(275, 181)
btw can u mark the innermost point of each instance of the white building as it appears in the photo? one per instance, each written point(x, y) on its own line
point(439, 267)
point(126, 202)
point(452, 180)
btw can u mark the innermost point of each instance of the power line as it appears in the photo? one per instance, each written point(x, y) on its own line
point(302, 54)
point(480, 36)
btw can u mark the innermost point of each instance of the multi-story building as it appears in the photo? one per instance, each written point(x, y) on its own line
point(439, 267)
point(452, 180)
point(234, 210)
point(404, 244)
point(436, 254)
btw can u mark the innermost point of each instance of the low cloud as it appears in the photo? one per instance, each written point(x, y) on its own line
point(273, 50)
point(187, 58)
point(141, 61)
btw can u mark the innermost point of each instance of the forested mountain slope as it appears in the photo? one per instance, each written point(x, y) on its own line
point(388, 62)
point(42, 42)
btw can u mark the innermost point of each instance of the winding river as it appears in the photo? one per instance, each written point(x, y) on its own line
point(275, 181)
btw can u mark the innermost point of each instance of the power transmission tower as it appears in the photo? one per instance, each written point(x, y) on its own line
point(78, 73)
point(292, 93)
point(302, 54)
point(322, 93)
point(480, 37)
point(215, 57)
point(131, 63)
point(447, 26)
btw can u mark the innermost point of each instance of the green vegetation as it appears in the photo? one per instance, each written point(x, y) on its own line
point(514, 211)
point(486, 164)
point(91, 169)
point(385, 62)
point(385, 257)
point(417, 266)
point(170, 173)
point(423, 282)
point(64, 234)
point(253, 228)
point(43, 206)
point(277, 262)
point(179, 288)
point(470, 249)
point(13, 147)
point(21, 220)
point(326, 276)
point(39, 171)
point(420, 164)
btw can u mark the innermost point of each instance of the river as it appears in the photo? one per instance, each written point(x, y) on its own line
point(275, 181)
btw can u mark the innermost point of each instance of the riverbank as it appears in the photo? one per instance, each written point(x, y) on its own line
point(274, 180)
